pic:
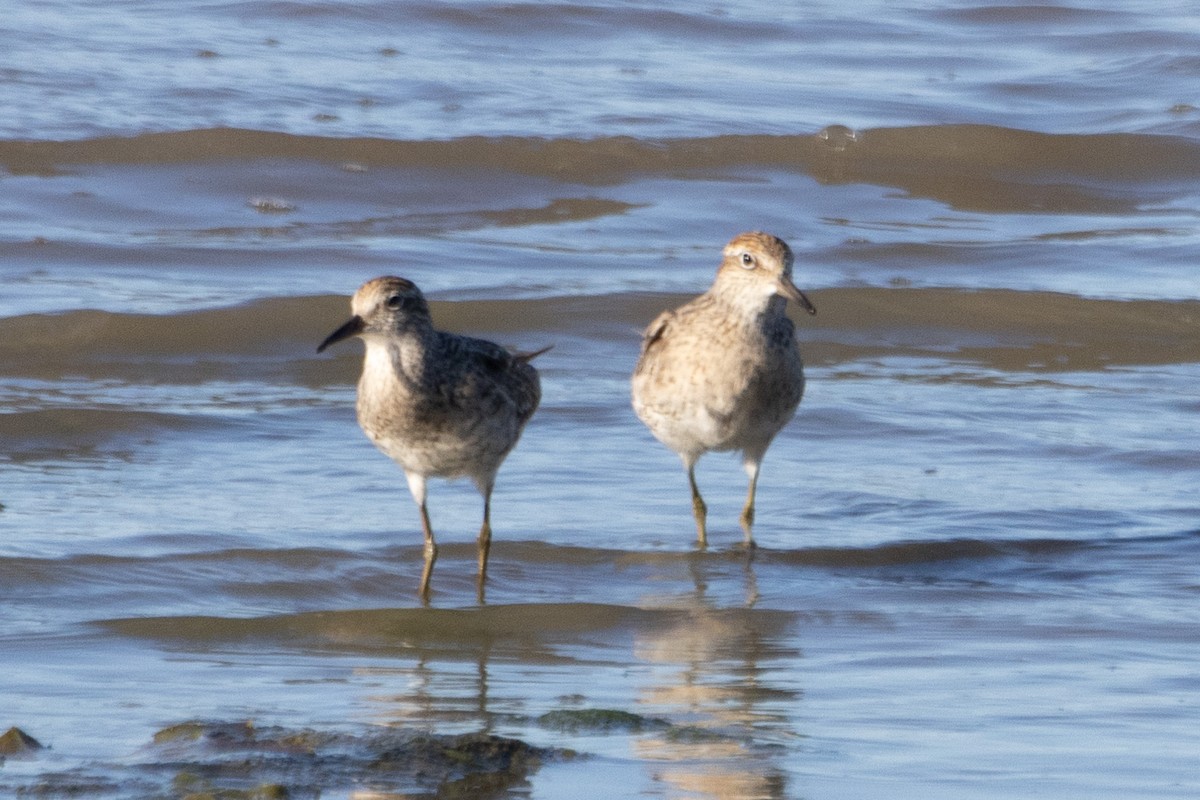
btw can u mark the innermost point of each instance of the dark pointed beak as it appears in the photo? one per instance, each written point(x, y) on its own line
point(788, 289)
point(353, 327)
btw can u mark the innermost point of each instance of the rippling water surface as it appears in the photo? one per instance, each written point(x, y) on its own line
point(978, 538)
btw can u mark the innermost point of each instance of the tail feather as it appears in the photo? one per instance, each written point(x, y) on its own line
point(527, 357)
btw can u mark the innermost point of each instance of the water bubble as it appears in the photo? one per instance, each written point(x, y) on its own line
point(837, 137)
point(270, 205)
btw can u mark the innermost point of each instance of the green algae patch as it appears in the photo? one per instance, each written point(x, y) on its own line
point(601, 720)
point(692, 734)
point(608, 720)
point(187, 786)
point(234, 736)
point(16, 742)
point(195, 731)
point(183, 732)
point(201, 760)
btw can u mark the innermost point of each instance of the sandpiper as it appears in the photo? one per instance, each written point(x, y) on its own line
point(723, 371)
point(439, 404)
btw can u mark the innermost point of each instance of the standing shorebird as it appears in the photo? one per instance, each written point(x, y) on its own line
point(439, 404)
point(723, 372)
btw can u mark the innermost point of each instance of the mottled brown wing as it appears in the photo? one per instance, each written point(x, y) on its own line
point(508, 374)
point(654, 332)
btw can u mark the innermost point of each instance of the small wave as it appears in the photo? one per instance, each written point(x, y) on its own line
point(333, 575)
point(61, 433)
point(194, 346)
point(275, 339)
point(978, 167)
point(1021, 16)
point(327, 599)
point(533, 628)
point(585, 22)
point(556, 210)
point(899, 554)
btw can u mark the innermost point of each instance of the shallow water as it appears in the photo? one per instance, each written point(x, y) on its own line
point(976, 574)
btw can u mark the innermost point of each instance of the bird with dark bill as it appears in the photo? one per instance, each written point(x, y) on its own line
point(723, 371)
point(441, 405)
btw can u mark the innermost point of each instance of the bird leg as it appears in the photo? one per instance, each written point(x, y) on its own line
point(416, 485)
point(699, 510)
point(747, 518)
point(431, 553)
point(485, 540)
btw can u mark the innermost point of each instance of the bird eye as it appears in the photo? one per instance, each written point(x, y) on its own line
point(747, 261)
point(395, 302)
